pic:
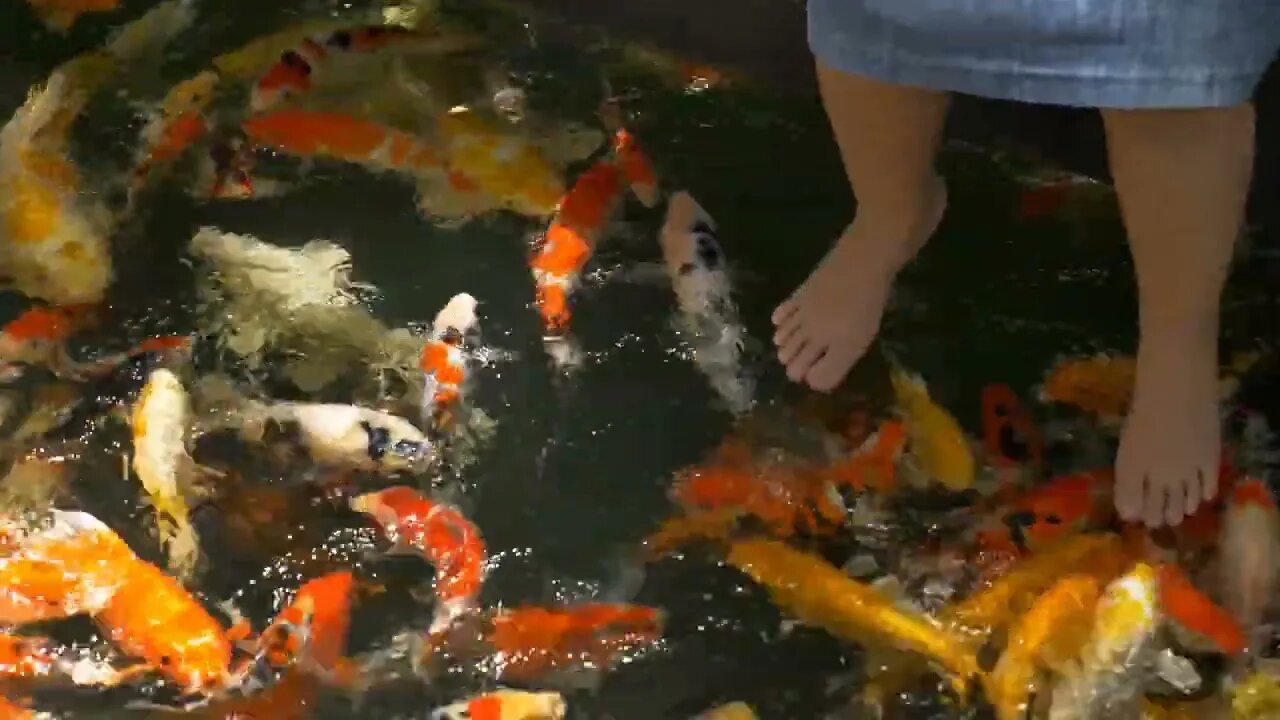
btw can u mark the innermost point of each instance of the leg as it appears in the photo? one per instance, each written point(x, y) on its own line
point(888, 136)
point(1182, 177)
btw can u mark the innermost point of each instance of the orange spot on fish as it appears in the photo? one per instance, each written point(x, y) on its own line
point(1182, 601)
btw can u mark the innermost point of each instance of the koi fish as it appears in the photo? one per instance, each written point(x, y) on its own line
point(699, 275)
point(505, 704)
point(819, 594)
point(1104, 681)
point(731, 711)
point(1101, 385)
point(497, 163)
point(323, 607)
point(1183, 603)
point(60, 15)
point(1056, 625)
point(79, 566)
point(342, 137)
point(873, 465)
point(636, 168)
point(937, 444)
point(168, 474)
point(783, 500)
point(1008, 433)
point(53, 237)
point(336, 435)
point(172, 127)
point(557, 261)
point(1067, 503)
point(39, 334)
point(1249, 554)
point(587, 638)
point(444, 359)
point(715, 525)
point(440, 535)
point(298, 68)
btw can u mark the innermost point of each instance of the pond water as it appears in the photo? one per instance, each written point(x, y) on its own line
point(580, 464)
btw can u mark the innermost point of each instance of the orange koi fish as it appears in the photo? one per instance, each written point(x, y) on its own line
point(342, 137)
point(1008, 433)
point(60, 15)
point(1184, 603)
point(873, 465)
point(39, 334)
point(444, 360)
point(177, 124)
point(784, 500)
point(1062, 615)
point(295, 72)
point(440, 535)
point(818, 594)
point(636, 168)
point(715, 525)
point(1063, 505)
point(1100, 385)
point(505, 705)
point(323, 606)
point(530, 642)
point(79, 565)
point(570, 240)
point(1249, 553)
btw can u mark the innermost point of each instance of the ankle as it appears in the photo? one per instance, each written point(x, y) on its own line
point(907, 214)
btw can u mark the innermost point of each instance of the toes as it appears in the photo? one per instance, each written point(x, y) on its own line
point(1209, 483)
point(785, 310)
point(1129, 489)
point(788, 351)
point(803, 360)
point(831, 369)
point(1153, 504)
point(1176, 502)
point(787, 332)
point(1194, 492)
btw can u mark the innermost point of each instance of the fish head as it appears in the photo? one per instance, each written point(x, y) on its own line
point(1128, 612)
point(288, 78)
point(392, 506)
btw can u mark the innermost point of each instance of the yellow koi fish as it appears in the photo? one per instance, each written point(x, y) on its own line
point(938, 445)
point(1103, 682)
point(505, 705)
point(732, 711)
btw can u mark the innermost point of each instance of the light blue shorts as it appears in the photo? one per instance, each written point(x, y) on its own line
point(1096, 53)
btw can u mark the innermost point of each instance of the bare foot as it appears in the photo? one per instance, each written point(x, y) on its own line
point(829, 321)
point(1170, 448)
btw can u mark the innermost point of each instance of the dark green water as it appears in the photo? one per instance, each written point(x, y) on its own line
point(578, 471)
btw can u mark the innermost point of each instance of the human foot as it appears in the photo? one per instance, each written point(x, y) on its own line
point(1170, 447)
point(829, 321)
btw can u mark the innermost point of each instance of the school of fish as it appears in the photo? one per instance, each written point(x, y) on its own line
point(1026, 597)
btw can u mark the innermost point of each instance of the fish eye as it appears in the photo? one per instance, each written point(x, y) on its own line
point(407, 448)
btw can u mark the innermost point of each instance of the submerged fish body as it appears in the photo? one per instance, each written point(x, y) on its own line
point(353, 437)
point(505, 704)
point(1249, 554)
point(500, 163)
point(700, 277)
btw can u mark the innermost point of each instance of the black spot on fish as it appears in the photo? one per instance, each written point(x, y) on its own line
point(340, 40)
point(1012, 446)
point(702, 227)
point(708, 252)
point(1053, 519)
point(451, 336)
point(379, 441)
point(296, 61)
point(1018, 522)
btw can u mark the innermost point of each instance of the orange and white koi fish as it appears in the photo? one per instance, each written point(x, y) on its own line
point(53, 237)
point(439, 534)
point(79, 566)
point(812, 590)
point(1051, 631)
point(299, 67)
point(569, 242)
point(783, 499)
point(1106, 680)
point(505, 704)
point(60, 15)
point(38, 336)
point(938, 447)
point(444, 360)
point(168, 474)
point(1249, 554)
point(708, 317)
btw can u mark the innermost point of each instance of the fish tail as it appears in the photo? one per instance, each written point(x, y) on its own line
point(908, 387)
